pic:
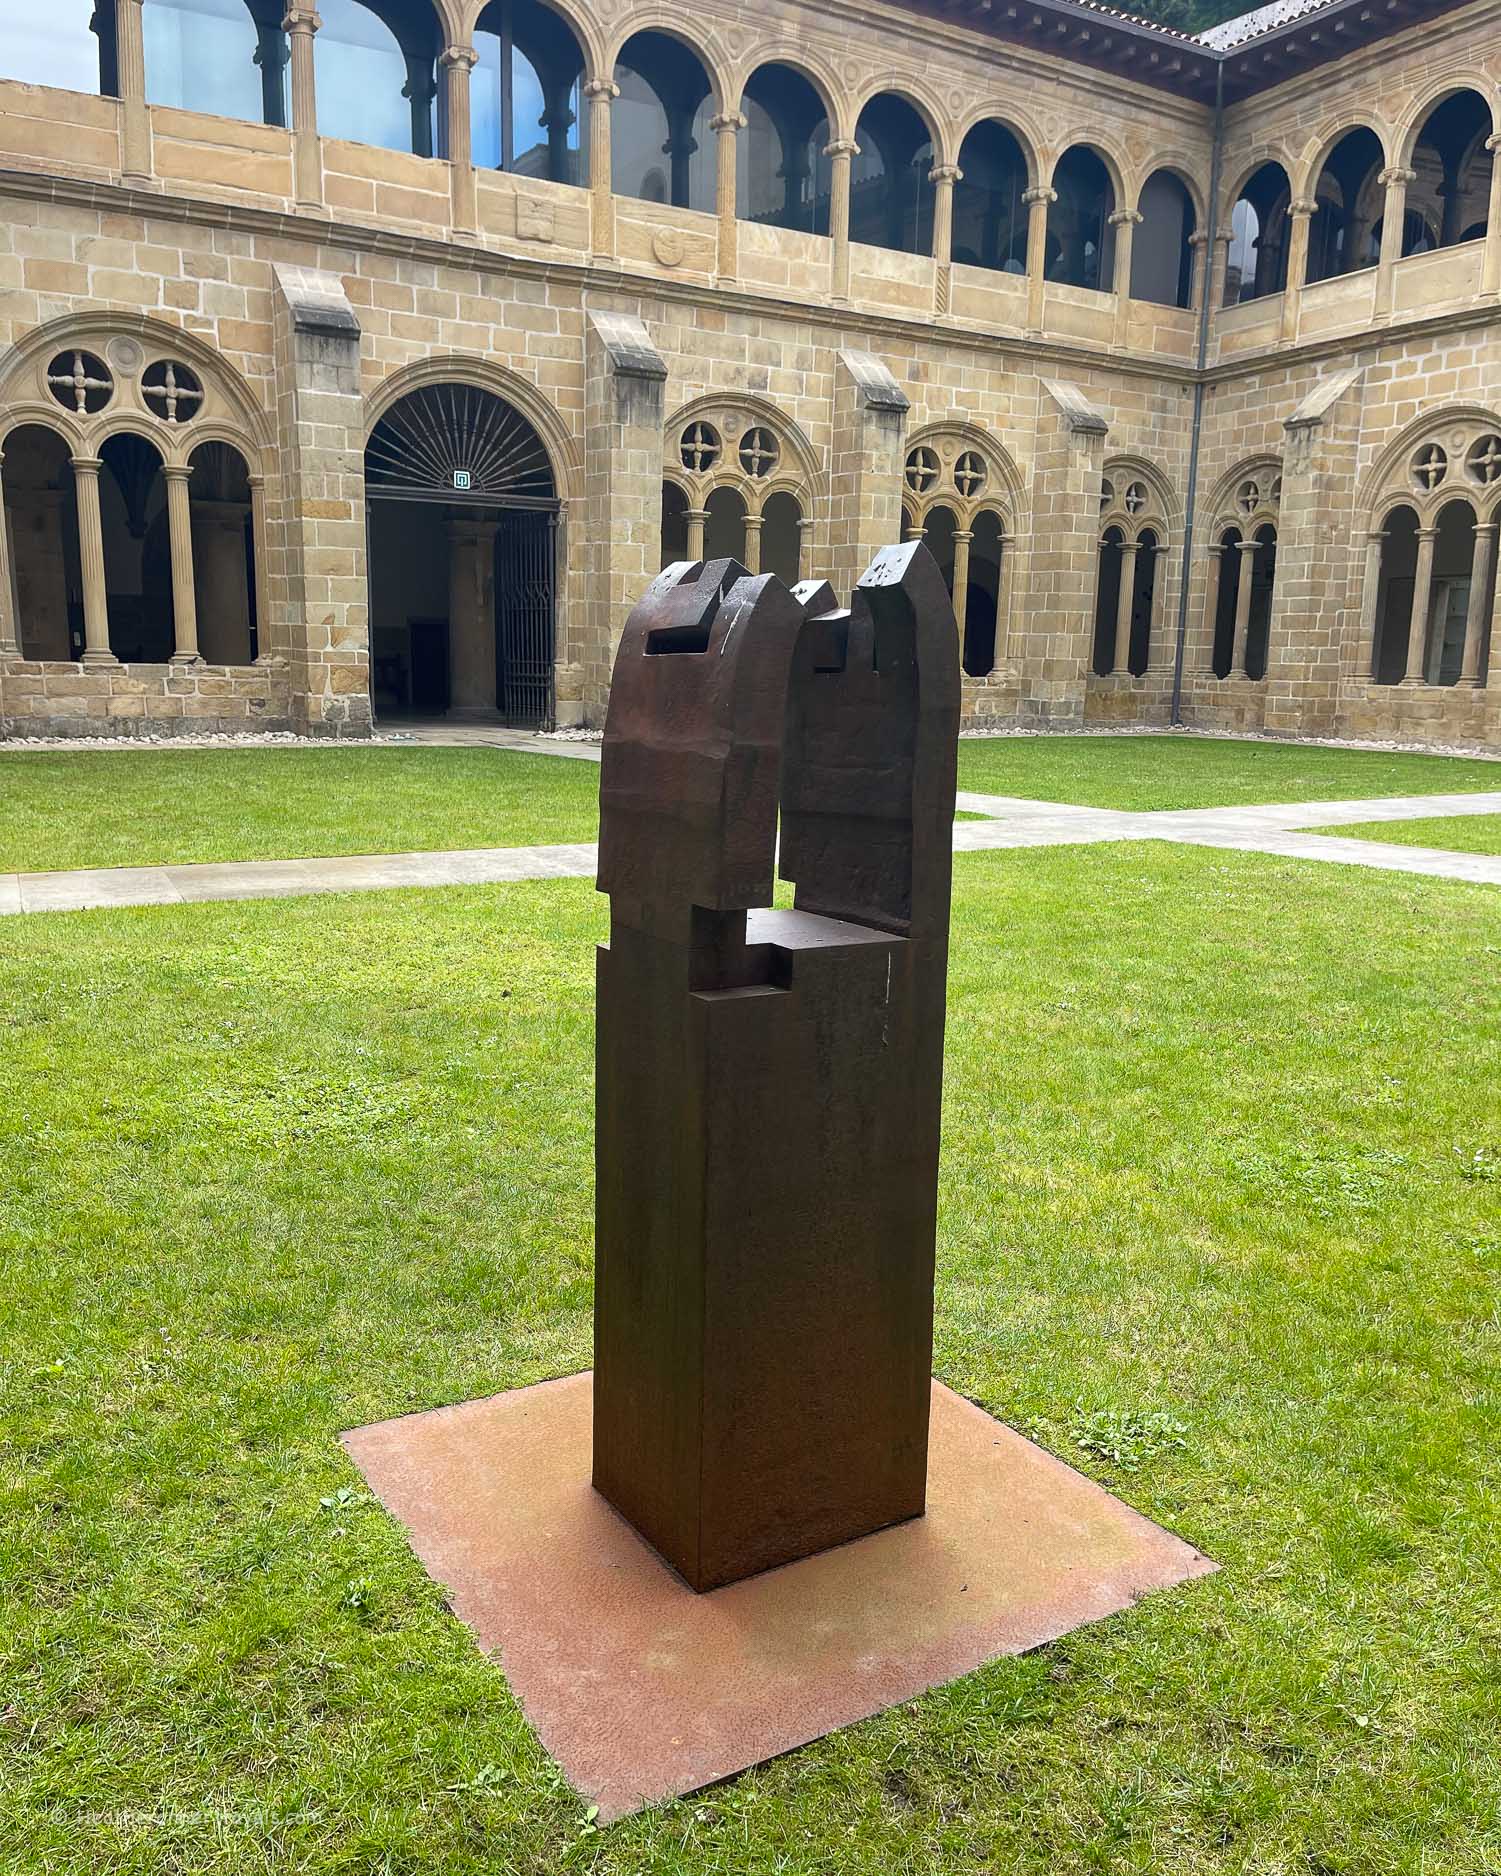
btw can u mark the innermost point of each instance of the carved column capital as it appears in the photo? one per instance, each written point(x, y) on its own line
point(945, 172)
point(455, 56)
point(728, 120)
point(1040, 194)
point(601, 90)
point(1395, 173)
point(842, 146)
point(1125, 217)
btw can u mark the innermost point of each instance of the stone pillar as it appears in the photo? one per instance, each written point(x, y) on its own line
point(1370, 599)
point(870, 421)
point(1125, 605)
point(457, 63)
point(726, 127)
point(1393, 214)
point(1480, 594)
point(943, 177)
point(1218, 262)
point(601, 93)
point(1199, 244)
point(1124, 221)
point(1246, 579)
point(625, 381)
point(319, 610)
point(962, 539)
point(805, 547)
point(1493, 659)
point(473, 683)
point(180, 535)
point(135, 119)
point(221, 592)
point(1216, 551)
point(696, 519)
point(753, 525)
point(1300, 213)
point(1052, 632)
point(91, 558)
point(1490, 266)
point(839, 153)
point(268, 649)
point(1038, 202)
point(301, 23)
point(10, 636)
point(1422, 596)
point(1006, 546)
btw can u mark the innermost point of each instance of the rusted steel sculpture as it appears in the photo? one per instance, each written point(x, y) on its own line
point(769, 1082)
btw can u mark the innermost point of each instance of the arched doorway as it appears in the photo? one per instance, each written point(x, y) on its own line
point(462, 512)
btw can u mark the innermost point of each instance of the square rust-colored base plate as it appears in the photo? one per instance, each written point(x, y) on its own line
point(643, 1690)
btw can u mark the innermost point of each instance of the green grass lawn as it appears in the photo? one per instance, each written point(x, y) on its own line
point(1221, 1223)
point(154, 807)
point(1460, 833)
point(1146, 772)
point(148, 807)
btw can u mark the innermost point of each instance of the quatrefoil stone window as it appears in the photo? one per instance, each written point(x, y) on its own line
point(171, 390)
point(1483, 460)
point(80, 382)
point(922, 469)
point(1136, 497)
point(1430, 465)
point(699, 447)
point(759, 452)
point(970, 473)
point(1248, 496)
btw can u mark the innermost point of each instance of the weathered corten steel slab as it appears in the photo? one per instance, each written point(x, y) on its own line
point(769, 1082)
point(643, 1690)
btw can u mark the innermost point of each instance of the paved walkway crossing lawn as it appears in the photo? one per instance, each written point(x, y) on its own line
point(1469, 833)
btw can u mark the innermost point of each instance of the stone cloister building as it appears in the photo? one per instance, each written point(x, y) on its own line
point(369, 357)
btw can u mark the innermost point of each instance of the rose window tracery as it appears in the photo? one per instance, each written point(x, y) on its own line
point(700, 447)
point(922, 469)
point(759, 452)
point(171, 390)
point(80, 382)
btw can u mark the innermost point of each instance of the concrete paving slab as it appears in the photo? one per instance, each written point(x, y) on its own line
point(642, 1689)
point(10, 894)
point(88, 890)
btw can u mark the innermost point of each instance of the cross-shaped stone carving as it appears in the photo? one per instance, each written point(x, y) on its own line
point(166, 392)
point(1484, 459)
point(1249, 496)
point(78, 380)
point(758, 452)
point(1136, 498)
point(1430, 466)
point(922, 470)
point(970, 473)
point(700, 447)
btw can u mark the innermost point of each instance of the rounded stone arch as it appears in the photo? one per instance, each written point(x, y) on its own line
point(174, 443)
point(1004, 490)
point(1224, 509)
point(510, 387)
point(1004, 113)
point(1179, 165)
point(1246, 169)
point(583, 26)
point(1473, 78)
point(31, 412)
point(1304, 175)
point(925, 101)
point(1386, 485)
point(94, 330)
point(1106, 149)
point(808, 63)
point(1163, 512)
point(805, 473)
point(707, 49)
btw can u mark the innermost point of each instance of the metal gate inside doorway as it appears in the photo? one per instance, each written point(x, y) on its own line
point(461, 447)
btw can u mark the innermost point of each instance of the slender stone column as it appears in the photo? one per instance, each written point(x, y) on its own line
point(301, 23)
point(10, 642)
point(915, 532)
point(457, 63)
point(1422, 592)
point(180, 534)
point(1393, 214)
point(962, 539)
point(1493, 658)
point(943, 178)
point(601, 93)
point(96, 649)
point(1037, 201)
point(1246, 578)
point(1370, 596)
point(1212, 593)
point(753, 525)
point(1156, 638)
point(696, 519)
point(1301, 213)
point(727, 127)
point(805, 547)
point(1199, 244)
point(1480, 594)
point(839, 153)
point(1006, 547)
point(1124, 222)
point(1125, 605)
point(266, 652)
point(1490, 267)
point(130, 53)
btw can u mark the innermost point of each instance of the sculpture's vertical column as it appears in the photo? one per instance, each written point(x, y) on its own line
point(458, 62)
point(870, 420)
point(601, 93)
point(319, 595)
point(1053, 634)
point(625, 381)
point(130, 53)
point(839, 153)
point(180, 542)
point(301, 23)
point(96, 649)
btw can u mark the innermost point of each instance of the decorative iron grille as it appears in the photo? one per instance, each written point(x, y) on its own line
point(455, 442)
